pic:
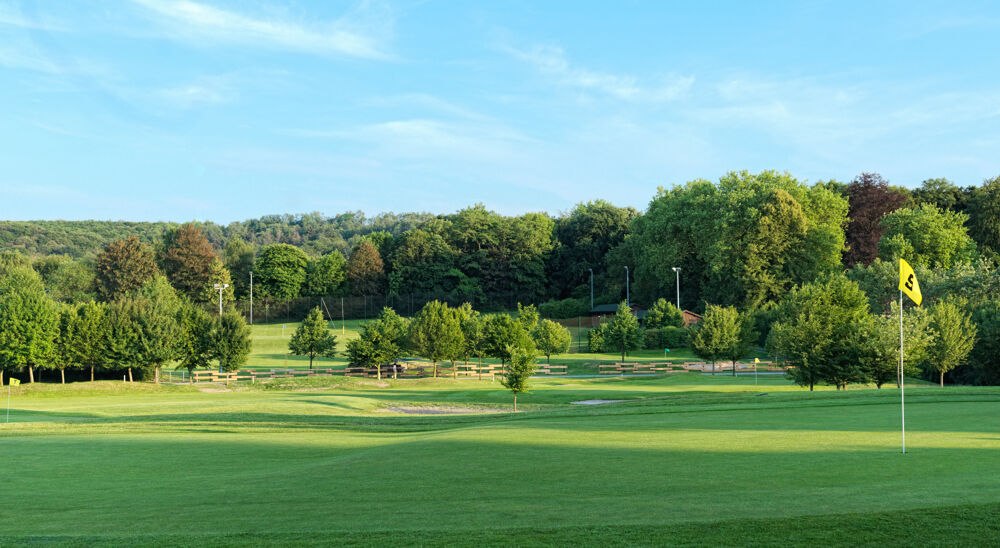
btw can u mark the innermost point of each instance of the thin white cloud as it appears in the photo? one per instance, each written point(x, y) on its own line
point(205, 91)
point(421, 138)
point(11, 16)
point(25, 55)
point(194, 20)
point(192, 95)
point(552, 61)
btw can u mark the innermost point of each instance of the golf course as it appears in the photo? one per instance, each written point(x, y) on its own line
point(681, 458)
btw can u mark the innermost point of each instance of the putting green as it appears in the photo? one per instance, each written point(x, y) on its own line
point(684, 457)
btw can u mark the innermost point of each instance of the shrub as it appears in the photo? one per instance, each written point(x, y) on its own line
point(595, 341)
point(667, 337)
point(652, 339)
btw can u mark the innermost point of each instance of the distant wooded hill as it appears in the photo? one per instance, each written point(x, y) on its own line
point(315, 233)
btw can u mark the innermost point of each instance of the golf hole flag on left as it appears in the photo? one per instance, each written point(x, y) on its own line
point(908, 282)
point(13, 382)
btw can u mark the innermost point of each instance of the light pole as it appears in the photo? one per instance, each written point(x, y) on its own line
point(591, 288)
point(221, 288)
point(251, 297)
point(677, 271)
point(626, 286)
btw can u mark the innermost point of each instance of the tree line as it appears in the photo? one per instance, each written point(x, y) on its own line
point(746, 241)
point(135, 333)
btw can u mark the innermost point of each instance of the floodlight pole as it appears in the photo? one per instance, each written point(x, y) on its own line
point(251, 297)
point(677, 272)
point(591, 288)
point(220, 287)
point(626, 288)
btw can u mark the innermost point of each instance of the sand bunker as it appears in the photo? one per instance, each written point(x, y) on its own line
point(412, 410)
point(594, 402)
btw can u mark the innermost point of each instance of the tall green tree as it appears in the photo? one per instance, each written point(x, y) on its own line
point(879, 344)
point(585, 236)
point(527, 316)
point(663, 314)
point(746, 335)
point(422, 262)
point(197, 344)
point(66, 354)
point(550, 338)
point(312, 338)
point(436, 333)
point(366, 270)
point(473, 326)
point(218, 274)
point(954, 337)
point(942, 194)
point(622, 333)
point(503, 255)
point(29, 322)
point(124, 266)
point(381, 342)
point(154, 315)
point(926, 236)
point(983, 367)
point(984, 216)
point(231, 341)
point(325, 276)
point(717, 335)
point(516, 376)
point(121, 345)
point(187, 260)
point(743, 241)
point(818, 328)
point(239, 258)
point(66, 279)
point(92, 329)
point(501, 333)
point(281, 270)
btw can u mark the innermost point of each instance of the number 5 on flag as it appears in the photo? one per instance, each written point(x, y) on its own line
point(908, 282)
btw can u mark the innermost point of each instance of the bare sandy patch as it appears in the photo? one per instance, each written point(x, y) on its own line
point(415, 410)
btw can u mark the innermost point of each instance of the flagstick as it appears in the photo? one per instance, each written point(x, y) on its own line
point(8, 403)
point(902, 378)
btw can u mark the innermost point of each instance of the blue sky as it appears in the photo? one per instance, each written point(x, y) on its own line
point(216, 110)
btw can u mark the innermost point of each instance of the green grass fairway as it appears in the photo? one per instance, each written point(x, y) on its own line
point(686, 459)
point(270, 345)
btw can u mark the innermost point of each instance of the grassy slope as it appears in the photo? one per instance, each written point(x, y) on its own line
point(270, 350)
point(688, 459)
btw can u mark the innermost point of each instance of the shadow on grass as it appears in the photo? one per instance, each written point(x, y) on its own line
point(430, 486)
point(965, 525)
point(827, 411)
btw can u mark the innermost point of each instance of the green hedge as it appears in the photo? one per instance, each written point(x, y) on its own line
point(667, 337)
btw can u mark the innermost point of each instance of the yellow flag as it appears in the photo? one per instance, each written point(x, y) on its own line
point(13, 382)
point(908, 282)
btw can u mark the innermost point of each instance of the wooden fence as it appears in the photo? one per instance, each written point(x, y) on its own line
point(426, 369)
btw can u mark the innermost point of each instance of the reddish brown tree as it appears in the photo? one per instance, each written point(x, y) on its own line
point(123, 266)
point(365, 270)
point(188, 260)
point(870, 198)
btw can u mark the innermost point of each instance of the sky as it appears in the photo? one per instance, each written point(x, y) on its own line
point(181, 110)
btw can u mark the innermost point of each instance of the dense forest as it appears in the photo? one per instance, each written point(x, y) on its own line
point(748, 243)
point(315, 233)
